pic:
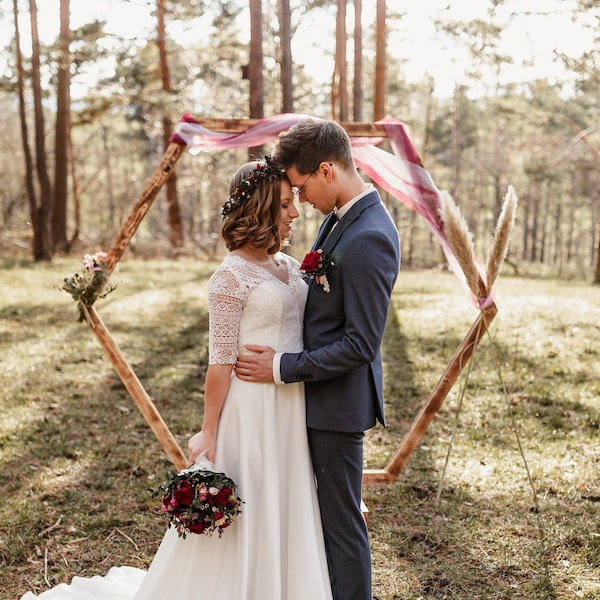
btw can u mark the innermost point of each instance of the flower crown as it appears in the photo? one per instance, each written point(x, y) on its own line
point(263, 170)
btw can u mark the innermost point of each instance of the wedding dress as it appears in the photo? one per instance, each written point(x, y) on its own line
point(275, 549)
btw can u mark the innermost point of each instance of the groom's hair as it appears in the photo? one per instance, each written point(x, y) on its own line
point(309, 142)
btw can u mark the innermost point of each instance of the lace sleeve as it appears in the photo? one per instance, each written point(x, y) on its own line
point(225, 304)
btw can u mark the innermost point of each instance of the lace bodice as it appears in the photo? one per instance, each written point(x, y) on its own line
point(248, 305)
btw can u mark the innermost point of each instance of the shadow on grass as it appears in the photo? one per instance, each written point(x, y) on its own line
point(438, 553)
point(422, 550)
point(78, 463)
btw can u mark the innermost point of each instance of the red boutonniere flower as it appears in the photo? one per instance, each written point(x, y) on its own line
point(315, 265)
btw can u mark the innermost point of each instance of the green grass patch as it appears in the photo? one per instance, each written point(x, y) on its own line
point(461, 522)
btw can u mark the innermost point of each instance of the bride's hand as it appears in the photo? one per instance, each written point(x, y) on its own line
point(201, 442)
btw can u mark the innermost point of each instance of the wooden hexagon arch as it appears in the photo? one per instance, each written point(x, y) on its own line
point(174, 151)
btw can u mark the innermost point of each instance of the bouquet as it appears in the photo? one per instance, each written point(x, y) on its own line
point(200, 500)
point(91, 284)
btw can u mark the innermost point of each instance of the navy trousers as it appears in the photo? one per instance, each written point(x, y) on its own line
point(337, 459)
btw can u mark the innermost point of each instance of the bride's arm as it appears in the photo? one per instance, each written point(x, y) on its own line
point(215, 390)
point(225, 306)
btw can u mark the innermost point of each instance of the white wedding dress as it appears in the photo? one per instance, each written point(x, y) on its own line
point(274, 550)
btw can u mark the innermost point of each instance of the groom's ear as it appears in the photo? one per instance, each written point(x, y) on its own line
point(326, 170)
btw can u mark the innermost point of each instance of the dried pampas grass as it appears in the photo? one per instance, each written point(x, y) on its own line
point(504, 228)
point(461, 241)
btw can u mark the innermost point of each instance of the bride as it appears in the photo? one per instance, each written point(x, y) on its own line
point(254, 432)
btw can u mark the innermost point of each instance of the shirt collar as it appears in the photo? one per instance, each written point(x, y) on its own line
point(340, 212)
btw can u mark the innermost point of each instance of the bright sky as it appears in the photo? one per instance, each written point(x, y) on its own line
point(529, 40)
point(412, 39)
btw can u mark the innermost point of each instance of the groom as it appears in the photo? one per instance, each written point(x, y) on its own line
point(344, 323)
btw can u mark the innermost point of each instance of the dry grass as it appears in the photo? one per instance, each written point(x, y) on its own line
point(77, 459)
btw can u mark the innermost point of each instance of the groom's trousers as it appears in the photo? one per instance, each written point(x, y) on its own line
point(337, 459)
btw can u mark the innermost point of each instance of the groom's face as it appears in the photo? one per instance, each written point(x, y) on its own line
point(313, 188)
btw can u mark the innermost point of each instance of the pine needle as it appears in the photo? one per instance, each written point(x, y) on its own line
point(504, 228)
point(460, 240)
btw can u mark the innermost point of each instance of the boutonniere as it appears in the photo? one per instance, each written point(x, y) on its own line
point(315, 265)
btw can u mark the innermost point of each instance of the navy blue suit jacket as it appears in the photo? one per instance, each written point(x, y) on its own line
point(341, 364)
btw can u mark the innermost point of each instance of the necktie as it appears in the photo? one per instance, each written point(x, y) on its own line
point(330, 225)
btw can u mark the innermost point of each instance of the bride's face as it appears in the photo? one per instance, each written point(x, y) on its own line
point(288, 210)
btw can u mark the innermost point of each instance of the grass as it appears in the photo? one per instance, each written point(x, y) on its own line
point(461, 522)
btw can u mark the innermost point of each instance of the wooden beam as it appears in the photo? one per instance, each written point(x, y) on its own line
point(137, 391)
point(240, 125)
point(433, 404)
point(375, 477)
point(143, 203)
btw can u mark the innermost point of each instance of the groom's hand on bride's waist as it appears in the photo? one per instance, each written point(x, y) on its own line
point(256, 367)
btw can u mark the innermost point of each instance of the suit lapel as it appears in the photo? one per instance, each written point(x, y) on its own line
point(327, 243)
point(326, 227)
point(348, 219)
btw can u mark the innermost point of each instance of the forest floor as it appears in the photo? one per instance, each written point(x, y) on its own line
point(500, 500)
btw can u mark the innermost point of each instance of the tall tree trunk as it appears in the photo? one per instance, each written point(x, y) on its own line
point(557, 255)
point(357, 95)
point(110, 195)
point(410, 236)
point(31, 197)
point(379, 100)
point(339, 89)
point(525, 203)
point(61, 140)
point(285, 32)
point(428, 113)
point(571, 237)
point(43, 240)
point(455, 141)
point(255, 65)
point(176, 234)
point(75, 193)
point(597, 249)
point(595, 214)
point(535, 224)
point(543, 224)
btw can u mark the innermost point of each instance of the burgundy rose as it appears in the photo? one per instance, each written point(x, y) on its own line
point(311, 261)
point(224, 494)
point(197, 528)
point(184, 494)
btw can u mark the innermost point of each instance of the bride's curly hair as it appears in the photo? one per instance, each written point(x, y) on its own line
point(255, 220)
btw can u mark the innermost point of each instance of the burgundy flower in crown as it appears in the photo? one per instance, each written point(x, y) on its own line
point(315, 265)
point(247, 187)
